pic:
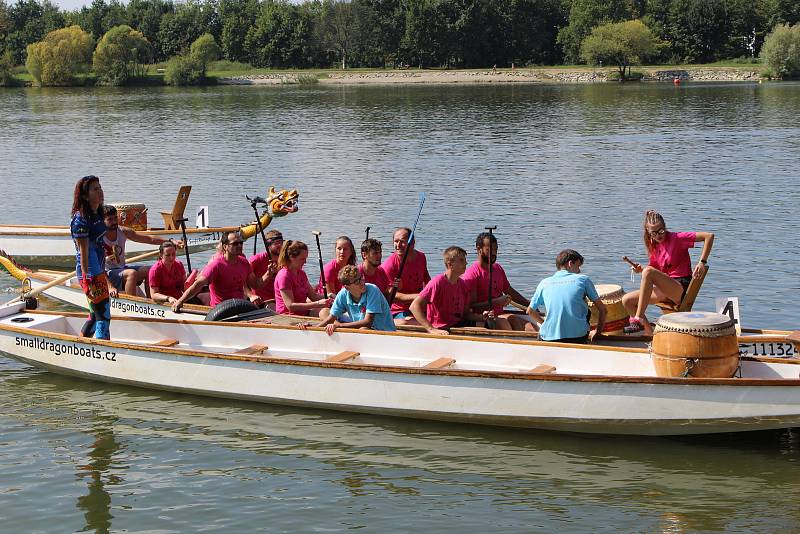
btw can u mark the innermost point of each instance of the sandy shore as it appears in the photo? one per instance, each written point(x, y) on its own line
point(490, 76)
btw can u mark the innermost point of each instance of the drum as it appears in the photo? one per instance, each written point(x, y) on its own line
point(133, 216)
point(696, 344)
point(616, 315)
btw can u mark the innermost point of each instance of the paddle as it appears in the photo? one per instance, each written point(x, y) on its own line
point(185, 244)
point(317, 233)
point(393, 292)
point(253, 203)
point(67, 276)
point(490, 322)
point(367, 233)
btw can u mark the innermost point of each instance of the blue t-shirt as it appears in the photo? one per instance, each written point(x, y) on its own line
point(563, 296)
point(92, 229)
point(372, 301)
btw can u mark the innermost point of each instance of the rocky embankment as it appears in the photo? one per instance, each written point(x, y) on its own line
point(487, 76)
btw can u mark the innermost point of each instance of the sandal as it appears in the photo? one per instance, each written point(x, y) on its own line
point(634, 325)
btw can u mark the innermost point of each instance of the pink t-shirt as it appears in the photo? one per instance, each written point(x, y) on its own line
point(168, 280)
point(415, 276)
point(331, 271)
point(295, 283)
point(477, 279)
point(446, 301)
point(377, 278)
point(260, 264)
point(671, 256)
point(226, 279)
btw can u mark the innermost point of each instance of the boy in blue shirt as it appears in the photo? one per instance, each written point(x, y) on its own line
point(564, 297)
point(363, 304)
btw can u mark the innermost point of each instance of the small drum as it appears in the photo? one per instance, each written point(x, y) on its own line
point(616, 315)
point(697, 344)
point(133, 216)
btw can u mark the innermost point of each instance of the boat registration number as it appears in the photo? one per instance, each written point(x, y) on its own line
point(773, 350)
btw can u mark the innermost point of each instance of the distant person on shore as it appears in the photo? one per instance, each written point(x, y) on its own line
point(266, 262)
point(344, 254)
point(444, 301)
point(370, 267)
point(669, 272)
point(358, 305)
point(225, 274)
point(563, 296)
point(293, 292)
point(415, 274)
point(477, 279)
point(87, 229)
point(124, 277)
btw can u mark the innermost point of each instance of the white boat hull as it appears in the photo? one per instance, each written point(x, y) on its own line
point(490, 382)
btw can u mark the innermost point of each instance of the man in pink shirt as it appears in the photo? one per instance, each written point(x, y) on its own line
point(415, 274)
point(370, 267)
point(444, 301)
point(226, 274)
point(266, 262)
point(477, 279)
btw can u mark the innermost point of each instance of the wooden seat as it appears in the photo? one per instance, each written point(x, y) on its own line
point(688, 299)
point(794, 338)
point(342, 356)
point(172, 218)
point(252, 350)
point(166, 343)
point(440, 363)
point(543, 369)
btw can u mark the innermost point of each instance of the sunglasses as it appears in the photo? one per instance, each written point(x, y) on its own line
point(656, 233)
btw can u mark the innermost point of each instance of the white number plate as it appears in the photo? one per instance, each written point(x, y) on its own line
point(772, 350)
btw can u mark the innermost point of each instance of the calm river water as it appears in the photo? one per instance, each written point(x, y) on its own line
point(552, 166)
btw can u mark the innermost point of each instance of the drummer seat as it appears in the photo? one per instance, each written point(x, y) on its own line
point(172, 219)
point(688, 299)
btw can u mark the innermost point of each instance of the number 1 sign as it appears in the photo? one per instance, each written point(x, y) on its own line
point(202, 217)
point(730, 306)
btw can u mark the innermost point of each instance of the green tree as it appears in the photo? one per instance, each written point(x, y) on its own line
point(99, 17)
point(204, 50)
point(59, 56)
point(236, 18)
point(145, 16)
point(121, 55)
point(182, 70)
point(587, 14)
point(279, 37)
point(620, 43)
point(7, 78)
point(178, 30)
point(348, 29)
point(699, 30)
point(781, 51)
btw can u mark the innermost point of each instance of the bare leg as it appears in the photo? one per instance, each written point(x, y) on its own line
point(129, 281)
point(657, 286)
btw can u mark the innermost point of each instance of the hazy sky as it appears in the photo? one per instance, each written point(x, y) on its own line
point(70, 4)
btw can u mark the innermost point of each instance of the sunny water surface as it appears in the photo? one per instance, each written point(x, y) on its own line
point(552, 167)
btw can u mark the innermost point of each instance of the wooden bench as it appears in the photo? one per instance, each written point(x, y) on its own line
point(688, 299)
point(342, 356)
point(543, 369)
point(439, 363)
point(166, 343)
point(794, 338)
point(172, 218)
point(252, 350)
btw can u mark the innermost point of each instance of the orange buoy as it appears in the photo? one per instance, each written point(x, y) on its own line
point(676, 81)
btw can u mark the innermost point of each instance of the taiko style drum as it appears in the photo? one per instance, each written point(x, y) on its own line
point(616, 315)
point(695, 344)
point(133, 216)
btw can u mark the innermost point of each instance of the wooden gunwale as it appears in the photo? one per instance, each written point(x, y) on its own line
point(65, 233)
point(514, 375)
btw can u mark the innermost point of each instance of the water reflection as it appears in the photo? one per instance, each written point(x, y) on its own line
point(227, 450)
point(97, 474)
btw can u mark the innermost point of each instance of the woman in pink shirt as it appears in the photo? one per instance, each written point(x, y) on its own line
point(167, 276)
point(293, 293)
point(669, 272)
point(345, 254)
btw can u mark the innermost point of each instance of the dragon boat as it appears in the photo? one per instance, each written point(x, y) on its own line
point(52, 245)
point(514, 383)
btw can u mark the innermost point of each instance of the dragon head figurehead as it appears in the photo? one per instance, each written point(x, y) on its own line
point(279, 204)
point(282, 202)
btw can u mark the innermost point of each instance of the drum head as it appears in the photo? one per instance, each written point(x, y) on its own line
point(609, 291)
point(695, 322)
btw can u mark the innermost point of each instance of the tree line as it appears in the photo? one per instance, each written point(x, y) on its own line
point(424, 33)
